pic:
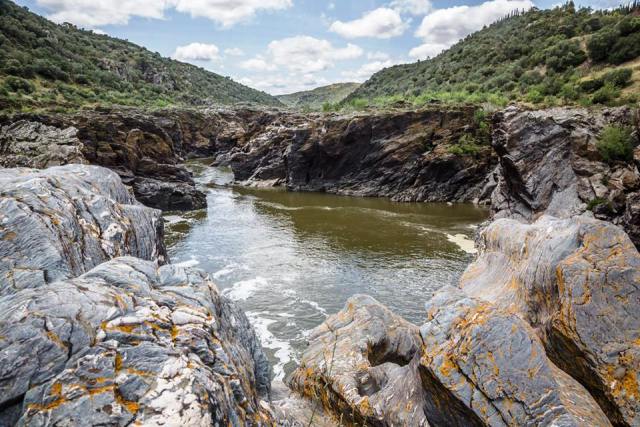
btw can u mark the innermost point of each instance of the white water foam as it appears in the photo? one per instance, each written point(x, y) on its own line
point(228, 269)
point(241, 291)
point(292, 294)
point(283, 350)
point(189, 263)
point(466, 244)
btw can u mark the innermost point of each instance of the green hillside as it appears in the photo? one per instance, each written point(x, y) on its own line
point(44, 65)
point(316, 98)
point(541, 57)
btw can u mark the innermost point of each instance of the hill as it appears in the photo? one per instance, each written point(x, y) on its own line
point(316, 98)
point(45, 65)
point(540, 57)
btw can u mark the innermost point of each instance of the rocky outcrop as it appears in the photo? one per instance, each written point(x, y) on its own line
point(61, 222)
point(402, 155)
point(360, 366)
point(145, 150)
point(550, 163)
point(576, 282)
point(130, 343)
point(470, 364)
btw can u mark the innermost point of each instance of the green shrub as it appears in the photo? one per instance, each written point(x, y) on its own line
point(600, 43)
point(16, 84)
point(534, 96)
point(592, 85)
point(619, 78)
point(599, 201)
point(605, 94)
point(625, 49)
point(467, 145)
point(615, 143)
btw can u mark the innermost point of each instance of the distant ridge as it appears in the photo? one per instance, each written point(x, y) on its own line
point(316, 98)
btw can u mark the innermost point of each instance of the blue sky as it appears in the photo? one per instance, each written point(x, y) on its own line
point(282, 46)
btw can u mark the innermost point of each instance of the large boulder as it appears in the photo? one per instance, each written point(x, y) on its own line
point(576, 281)
point(60, 222)
point(483, 366)
point(130, 343)
point(360, 366)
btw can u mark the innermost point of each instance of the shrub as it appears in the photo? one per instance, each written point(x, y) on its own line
point(625, 49)
point(467, 146)
point(592, 85)
point(534, 96)
point(619, 78)
point(615, 143)
point(605, 94)
point(600, 43)
point(16, 84)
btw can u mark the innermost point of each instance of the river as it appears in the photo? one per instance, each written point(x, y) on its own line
point(291, 259)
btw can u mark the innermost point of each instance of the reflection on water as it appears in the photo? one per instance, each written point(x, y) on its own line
point(290, 259)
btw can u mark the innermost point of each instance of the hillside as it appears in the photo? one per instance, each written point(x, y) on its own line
point(316, 98)
point(45, 65)
point(540, 57)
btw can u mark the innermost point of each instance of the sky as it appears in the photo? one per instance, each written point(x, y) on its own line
point(284, 46)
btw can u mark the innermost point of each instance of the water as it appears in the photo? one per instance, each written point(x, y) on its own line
point(291, 259)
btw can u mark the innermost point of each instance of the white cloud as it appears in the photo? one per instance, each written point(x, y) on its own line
point(228, 12)
point(367, 70)
point(382, 23)
point(257, 64)
point(413, 7)
point(280, 85)
point(92, 13)
point(197, 52)
point(427, 50)
point(442, 28)
point(304, 54)
point(234, 51)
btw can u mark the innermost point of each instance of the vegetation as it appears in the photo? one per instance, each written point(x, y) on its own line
point(615, 143)
point(473, 143)
point(44, 65)
point(540, 57)
point(322, 98)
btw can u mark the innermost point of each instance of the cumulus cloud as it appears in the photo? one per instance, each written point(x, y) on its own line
point(196, 52)
point(280, 85)
point(257, 64)
point(442, 28)
point(382, 23)
point(92, 13)
point(368, 69)
point(378, 56)
point(234, 51)
point(305, 54)
point(413, 7)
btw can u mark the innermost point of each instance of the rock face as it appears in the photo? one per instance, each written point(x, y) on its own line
point(360, 366)
point(60, 222)
point(470, 364)
point(482, 366)
point(402, 155)
point(576, 282)
point(130, 343)
point(549, 163)
point(145, 150)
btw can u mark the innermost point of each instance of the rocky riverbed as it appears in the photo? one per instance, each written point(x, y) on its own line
point(543, 328)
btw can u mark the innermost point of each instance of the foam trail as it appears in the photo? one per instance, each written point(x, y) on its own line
point(241, 291)
point(466, 244)
point(283, 350)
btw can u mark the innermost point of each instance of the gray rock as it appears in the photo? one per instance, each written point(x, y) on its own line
point(130, 343)
point(60, 222)
point(36, 145)
point(576, 282)
point(360, 366)
point(482, 366)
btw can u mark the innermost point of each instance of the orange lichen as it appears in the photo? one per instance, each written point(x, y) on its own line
point(9, 235)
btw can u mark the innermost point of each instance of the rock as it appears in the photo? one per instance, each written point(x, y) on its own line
point(130, 343)
point(169, 196)
point(360, 366)
point(60, 222)
point(575, 281)
point(35, 145)
point(482, 366)
point(402, 155)
point(549, 163)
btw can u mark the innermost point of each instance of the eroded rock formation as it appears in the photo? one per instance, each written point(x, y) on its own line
point(61, 222)
point(127, 342)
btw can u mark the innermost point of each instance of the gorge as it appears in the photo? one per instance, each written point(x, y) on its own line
point(542, 328)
